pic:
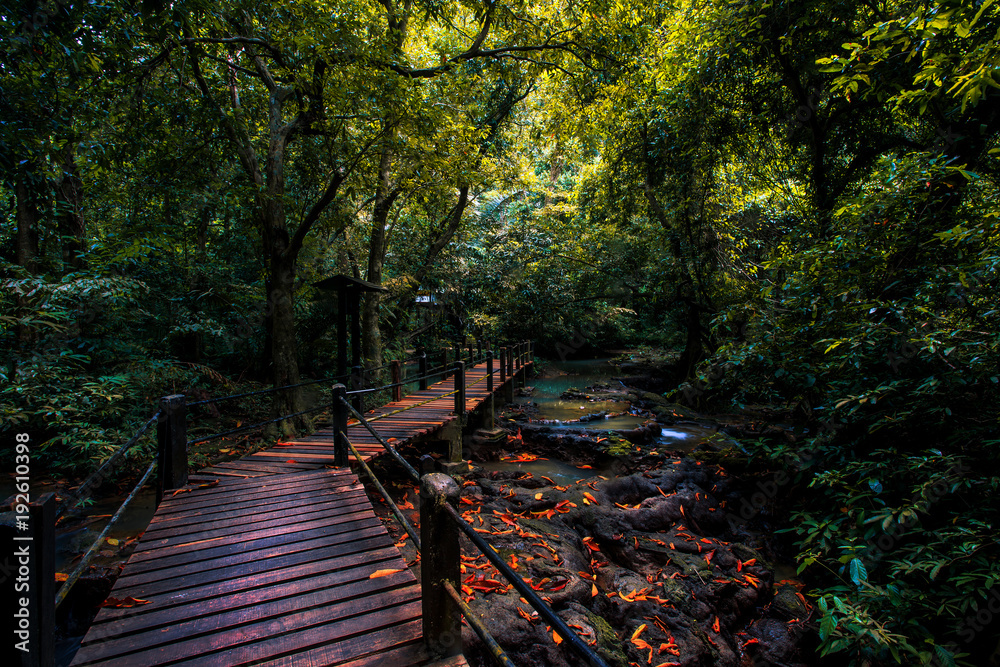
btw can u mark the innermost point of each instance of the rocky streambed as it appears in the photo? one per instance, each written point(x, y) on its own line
point(643, 564)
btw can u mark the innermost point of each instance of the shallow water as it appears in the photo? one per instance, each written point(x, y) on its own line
point(685, 437)
point(565, 375)
point(558, 471)
point(132, 522)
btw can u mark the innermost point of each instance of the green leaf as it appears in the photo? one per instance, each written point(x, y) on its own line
point(858, 572)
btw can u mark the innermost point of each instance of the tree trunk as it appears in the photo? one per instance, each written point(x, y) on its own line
point(27, 247)
point(371, 335)
point(72, 227)
point(693, 349)
point(27, 226)
point(281, 281)
point(284, 345)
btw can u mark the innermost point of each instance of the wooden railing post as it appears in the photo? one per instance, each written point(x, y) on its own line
point(357, 384)
point(460, 389)
point(510, 362)
point(472, 357)
point(422, 370)
point(171, 438)
point(524, 363)
point(479, 348)
point(397, 377)
point(439, 563)
point(503, 365)
point(37, 554)
point(340, 413)
point(490, 415)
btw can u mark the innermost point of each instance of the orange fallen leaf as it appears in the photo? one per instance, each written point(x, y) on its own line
point(638, 631)
point(61, 576)
point(642, 644)
point(382, 573)
point(715, 624)
point(188, 489)
point(538, 496)
point(405, 504)
point(556, 638)
point(115, 603)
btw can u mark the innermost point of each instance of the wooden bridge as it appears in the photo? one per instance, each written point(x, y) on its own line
point(278, 558)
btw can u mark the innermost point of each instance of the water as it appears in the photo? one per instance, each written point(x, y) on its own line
point(564, 375)
point(685, 437)
point(131, 523)
point(558, 471)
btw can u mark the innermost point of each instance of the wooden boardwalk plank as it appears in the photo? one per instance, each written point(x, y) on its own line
point(267, 560)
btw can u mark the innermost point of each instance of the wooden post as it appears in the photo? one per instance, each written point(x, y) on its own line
point(340, 412)
point(490, 416)
point(510, 362)
point(422, 370)
point(479, 348)
point(357, 383)
point(39, 626)
point(439, 563)
point(524, 363)
point(342, 306)
point(503, 365)
point(397, 376)
point(472, 357)
point(460, 389)
point(171, 437)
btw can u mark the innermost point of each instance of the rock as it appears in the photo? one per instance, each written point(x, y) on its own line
point(787, 604)
point(777, 641)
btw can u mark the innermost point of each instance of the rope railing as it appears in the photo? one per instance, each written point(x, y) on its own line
point(252, 427)
point(530, 596)
point(407, 526)
point(96, 478)
point(411, 471)
point(425, 402)
point(92, 551)
point(477, 625)
point(494, 648)
point(209, 401)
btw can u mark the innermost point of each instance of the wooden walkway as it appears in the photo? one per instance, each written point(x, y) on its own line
point(269, 560)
